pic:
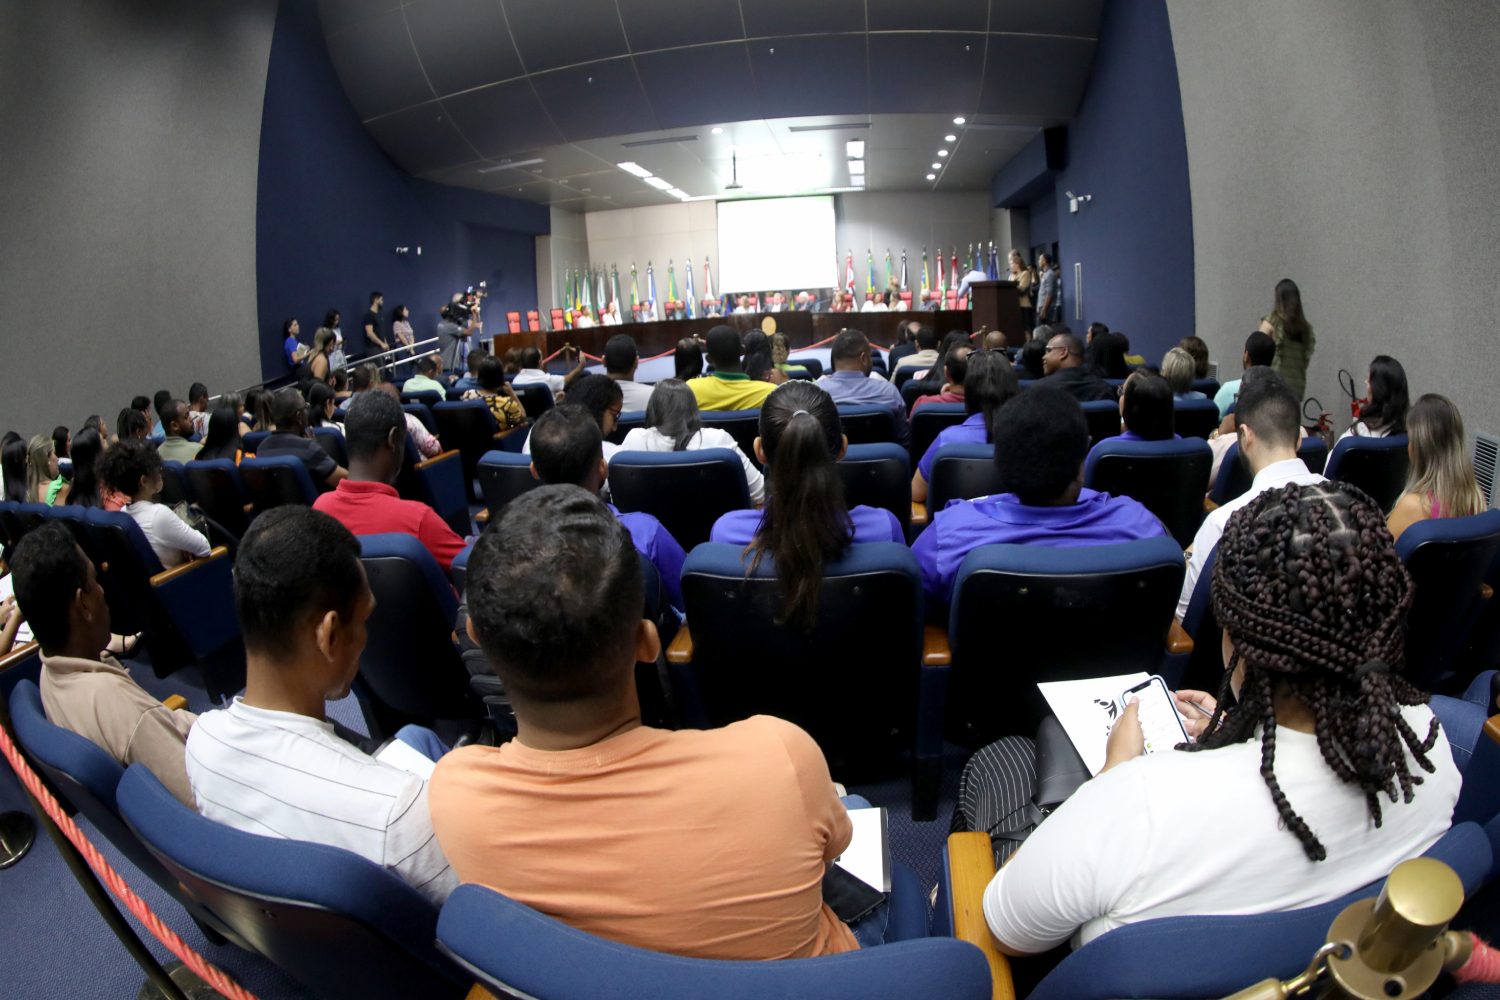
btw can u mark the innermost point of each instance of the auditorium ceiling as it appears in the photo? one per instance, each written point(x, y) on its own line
point(542, 99)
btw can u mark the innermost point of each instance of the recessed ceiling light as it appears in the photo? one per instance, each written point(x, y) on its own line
point(678, 193)
point(855, 149)
point(587, 190)
point(937, 166)
point(932, 177)
point(856, 167)
point(857, 181)
point(634, 168)
point(942, 152)
point(958, 121)
point(658, 183)
point(949, 138)
point(717, 131)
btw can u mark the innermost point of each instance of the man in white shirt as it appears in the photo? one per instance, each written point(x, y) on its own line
point(1268, 428)
point(620, 362)
point(531, 372)
point(271, 763)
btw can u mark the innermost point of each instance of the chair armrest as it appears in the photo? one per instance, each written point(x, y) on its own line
point(24, 652)
point(971, 863)
point(181, 569)
point(681, 650)
point(935, 651)
point(175, 702)
point(440, 456)
point(1486, 592)
point(479, 993)
point(1178, 641)
point(1491, 725)
point(483, 517)
point(1209, 506)
point(918, 513)
point(502, 435)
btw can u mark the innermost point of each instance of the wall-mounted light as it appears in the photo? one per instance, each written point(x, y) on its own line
point(1074, 200)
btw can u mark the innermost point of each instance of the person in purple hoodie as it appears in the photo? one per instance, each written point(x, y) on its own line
point(1041, 440)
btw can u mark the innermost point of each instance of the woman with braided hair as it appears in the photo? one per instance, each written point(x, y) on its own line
point(1317, 771)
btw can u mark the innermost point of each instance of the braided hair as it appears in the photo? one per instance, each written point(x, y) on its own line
point(1308, 586)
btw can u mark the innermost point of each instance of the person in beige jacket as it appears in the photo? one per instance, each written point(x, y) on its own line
point(83, 689)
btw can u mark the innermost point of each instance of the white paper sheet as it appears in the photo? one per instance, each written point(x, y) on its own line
point(7, 589)
point(1087, 710)
point(398, 754)
point(868, 856)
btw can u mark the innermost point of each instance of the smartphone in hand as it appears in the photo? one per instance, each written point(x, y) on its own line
point(1160, 723)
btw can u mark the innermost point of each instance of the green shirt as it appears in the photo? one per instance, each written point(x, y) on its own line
point(1292, 356)
point(53, 489)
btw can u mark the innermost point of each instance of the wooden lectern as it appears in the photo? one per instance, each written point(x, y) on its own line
point(997, 305)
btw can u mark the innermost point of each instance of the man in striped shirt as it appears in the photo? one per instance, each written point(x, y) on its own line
point(271, 764)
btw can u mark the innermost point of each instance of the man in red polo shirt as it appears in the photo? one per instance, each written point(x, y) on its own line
point(366, 503)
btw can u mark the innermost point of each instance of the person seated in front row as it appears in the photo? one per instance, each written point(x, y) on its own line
point(1328, 770)
point(673, 423)
point(604, 400)
point(367, 502)
point(1064, 368)
point(567, 449)
point(1147, 410)
point(1041, 440)
point(271, 763)
point(1441, 482)
point(132, 468)
point(429, 370)
point(702, 843)
point(989, 383)
point(850, 383)
point(806, 521)
point(727, 387)
point(84, 689)
point(288, 412)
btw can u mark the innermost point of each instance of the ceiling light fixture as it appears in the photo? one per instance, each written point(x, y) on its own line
point(509, 164)
point(678, 193)
point(659, 184)
point(858, 181)
point(937, 166)
point(856, 167)
point(932, 177)
point(958, 121)
point(942, 152)
point(716, 130)
point(949, 138)
point(634, 168)
point(855, 148)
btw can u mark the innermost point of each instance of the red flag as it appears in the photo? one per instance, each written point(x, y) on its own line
point(849, 275)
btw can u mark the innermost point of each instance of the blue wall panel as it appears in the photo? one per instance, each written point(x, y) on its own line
point(332, 208)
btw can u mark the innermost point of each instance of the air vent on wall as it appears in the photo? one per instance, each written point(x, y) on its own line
point(660, 142)
point(1487, 465)
point(825, 128)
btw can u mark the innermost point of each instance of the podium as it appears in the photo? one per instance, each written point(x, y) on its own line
point(997, 305)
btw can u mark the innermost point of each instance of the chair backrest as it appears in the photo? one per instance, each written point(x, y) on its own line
point(878, 475)
point(1376, 465)
point(535, 397)
point(427, 397)
point(440, 485)
point(627, 422)
point(422, 412)
point(854, 687)
point(469, 428)
point(1203, 668)
point(276, 481)
point(742, 425)
point(221, 492)
point(1103, 416)
point(1090, 611)
point(1195, 417)
point(250, 440)
point(961, 472)
point(1234, 477)
point(411, 663)
point(1168, 477)
point(1448, 559)
point(503, 476)
point(345, 928)
point(867, 424)
point(533, 322)
point(1208, 386)
point(331, 440)
point(1144, 959)
point(687, 491)
point(1314, 453)
point(175, 488)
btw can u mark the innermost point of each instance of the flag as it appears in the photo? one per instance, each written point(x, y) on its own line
point(849, 275)
point(870, 264)
point(671, 285)
point(635, 292)
point(925, 286)
point(969, 260)
point(708, 282)
point(941, 281)
point(994, 268)
point(903, 269)
point(887, 267)
point(614, 285)
point(687, 279)
point(651, 292)
point(587, 304)
point(953, 272)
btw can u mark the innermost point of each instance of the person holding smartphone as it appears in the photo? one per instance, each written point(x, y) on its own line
point(1318, 769)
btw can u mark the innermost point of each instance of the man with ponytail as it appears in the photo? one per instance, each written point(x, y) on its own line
point(1328, 770)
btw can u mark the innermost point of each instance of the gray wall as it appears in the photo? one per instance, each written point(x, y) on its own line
point(879, 220)
point(1353, 146)
point(129, 143)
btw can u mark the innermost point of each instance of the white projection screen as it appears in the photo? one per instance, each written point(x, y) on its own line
point(777, 244)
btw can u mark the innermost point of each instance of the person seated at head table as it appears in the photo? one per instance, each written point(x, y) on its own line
point(850, 383)
point(727, 387)
point(1041, 441)
point(133, 469)
point(673, 423)
point(989, 384)
point(1325, 771)
point(840, 302)
point(930, 301)
point(271, 763)
point(1441, 480)
point(1063, 367)
point(84, 689)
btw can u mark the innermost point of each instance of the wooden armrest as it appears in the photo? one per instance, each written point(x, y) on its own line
point(483, 517)
point(971, 862)
point(1209, 506)
point(935, 651)
point(18, 654)
point(1486, 592)
point(1178, 641)
point(435, 458)
point(1491, 725)
point(249, 507)
point(477, 992)
point(167, 575)
point(175, 702)
point(502, 435)
point(918, 513)
point(681, 650)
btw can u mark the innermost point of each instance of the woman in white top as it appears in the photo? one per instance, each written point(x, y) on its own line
point(673, 424)
point(1388, 400)
point(1327, 772)
point(134, 468)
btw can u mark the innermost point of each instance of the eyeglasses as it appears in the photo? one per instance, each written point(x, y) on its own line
point(1059, 347)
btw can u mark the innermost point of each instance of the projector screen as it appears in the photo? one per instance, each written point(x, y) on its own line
point(777, 244)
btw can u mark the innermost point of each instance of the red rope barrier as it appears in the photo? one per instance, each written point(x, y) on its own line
point(663, 354)
point(206, 971)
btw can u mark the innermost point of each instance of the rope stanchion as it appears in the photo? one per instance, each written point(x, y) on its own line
point(137, 906)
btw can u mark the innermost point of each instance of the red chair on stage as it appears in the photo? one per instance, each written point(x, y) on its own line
point(557, 319)
point(963, 303)
point(533, 321)
point(514, 319)
point(869, 296)
point(952, 299)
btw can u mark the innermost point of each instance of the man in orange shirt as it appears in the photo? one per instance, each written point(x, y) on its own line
point(702, 843)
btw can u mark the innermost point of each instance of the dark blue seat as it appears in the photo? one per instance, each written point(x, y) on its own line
point(742, 425)
point(1449, 559)
point(1234, 477)
point(221, 493)
point(85, 778)
point(276, 481)
point(860, 691)
point(428, 398)
point(503, 476)
point(422, 412)
point(1376, 465)
point(331, 440)
point(1103, 416)
point(123, 616)
point(343, 927)
point(686, 490)
point(962, 471)
point(250, 440)
point(468, 428)
point(1195, 418)
point(1201, 669)
point(19, 518)
point(175, 488)
point(1090, 611)
point(536, 398)
point(1208, 386)
point(928, 421)
point(627, 422)
point(440, 485)
point(867, 424)
point(1168, 477)
point(513, 950)
point(878, 475)
point(410, 670)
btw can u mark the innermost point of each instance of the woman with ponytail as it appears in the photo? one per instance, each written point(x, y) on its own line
point(1316, 770)
point(806, 522)
point(989, 383)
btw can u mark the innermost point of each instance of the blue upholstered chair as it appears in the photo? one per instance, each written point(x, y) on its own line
point(276, 481)
point(961, 472)
point(628, 421)
point(123, 616)
point(742, 425)
point(343, 927)
point(470, 429)
point(1234, 478)
point(1208, 386)
point(503, 476)
point(428, 398)
point(686, 490)
point(422, 412)
point(1376, 465)
point(175, 488)
point(1168, 477)
point(866, 423)
point(536, 398)
point(1103, 416)
point(928, 421)
point(220, 491)
point(1200, 668)
point(1090, 611)
point(1195, 417)
point(878, 475)
point(331, 440)
point(1449, 559)
point(440, 485)
point(250, 440)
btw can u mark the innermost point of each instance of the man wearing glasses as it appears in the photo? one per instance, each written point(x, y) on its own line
point(1063, 369)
